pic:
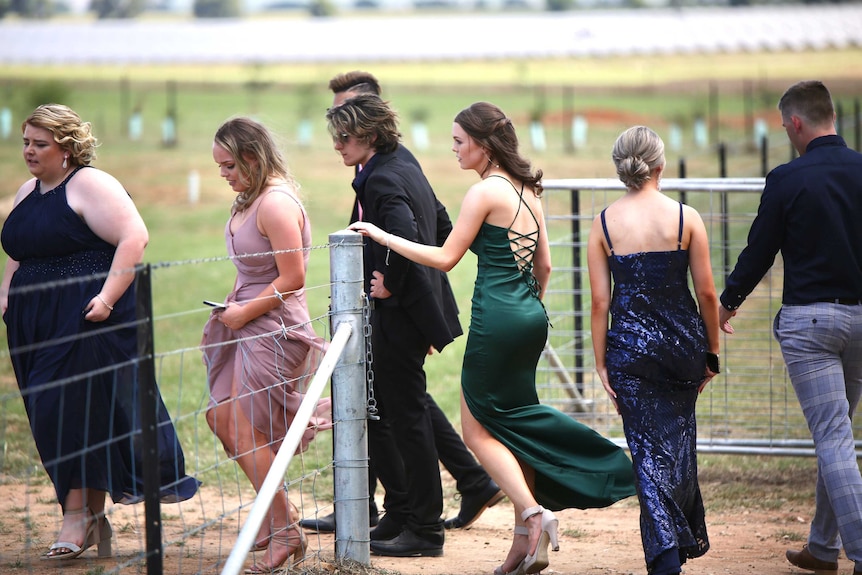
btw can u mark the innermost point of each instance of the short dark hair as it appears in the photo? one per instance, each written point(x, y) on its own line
point(810, 100)
point(356, 81)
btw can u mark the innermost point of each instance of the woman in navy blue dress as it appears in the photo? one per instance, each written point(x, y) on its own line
point(653, 360)
point(74, 238)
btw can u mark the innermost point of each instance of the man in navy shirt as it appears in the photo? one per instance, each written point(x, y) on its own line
point(811, 211)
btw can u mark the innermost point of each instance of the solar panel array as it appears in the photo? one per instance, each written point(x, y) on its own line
point(436, 37)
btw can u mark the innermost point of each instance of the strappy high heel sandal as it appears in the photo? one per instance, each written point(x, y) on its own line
point(294, 539)
point(64, 550)
point(520, 569)
point(106, 534)
point(263, 543)
point(539, 559)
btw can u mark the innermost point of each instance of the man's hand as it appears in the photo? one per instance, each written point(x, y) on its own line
point(378, 290)
point(724, 316)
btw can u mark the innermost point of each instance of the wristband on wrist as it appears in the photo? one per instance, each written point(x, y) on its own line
point(712, 362)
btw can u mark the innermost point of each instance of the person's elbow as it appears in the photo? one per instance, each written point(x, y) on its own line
point(707, 297)
point(600, 305)
point(135, 243)
point(446, 265)
point(141, 240)
point(443, 261)
point(599, 309)
point(542, 271)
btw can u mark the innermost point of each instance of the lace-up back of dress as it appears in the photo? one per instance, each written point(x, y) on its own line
point(523, 245)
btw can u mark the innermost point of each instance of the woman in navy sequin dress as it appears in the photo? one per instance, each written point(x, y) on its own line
point(652, 360)
point(73, 239)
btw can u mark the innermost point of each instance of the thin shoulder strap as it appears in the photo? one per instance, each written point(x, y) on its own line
point(289, 194)
point(65, 181)
point(529, 209)
point(607, 237)
point(679, 238)
point(520, 200)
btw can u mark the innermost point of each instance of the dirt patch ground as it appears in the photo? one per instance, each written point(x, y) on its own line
point(593, 542)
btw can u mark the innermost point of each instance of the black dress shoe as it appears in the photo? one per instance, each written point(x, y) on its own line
point(473, 505)
point(407, 544)
point(387, 528)
point(326, 524)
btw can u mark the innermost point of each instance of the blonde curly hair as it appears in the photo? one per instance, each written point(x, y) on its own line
point(70, 132)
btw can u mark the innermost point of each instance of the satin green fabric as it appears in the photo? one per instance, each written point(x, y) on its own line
point(574, 465)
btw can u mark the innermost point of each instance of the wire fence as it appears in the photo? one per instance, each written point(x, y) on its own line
point(191, 536)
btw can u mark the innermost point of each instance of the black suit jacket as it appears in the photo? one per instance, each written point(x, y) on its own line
point(396, 196)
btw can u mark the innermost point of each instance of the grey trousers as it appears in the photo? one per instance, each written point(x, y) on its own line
point(822, 347)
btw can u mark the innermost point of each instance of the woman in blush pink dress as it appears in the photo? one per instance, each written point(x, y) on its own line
point(258, 347)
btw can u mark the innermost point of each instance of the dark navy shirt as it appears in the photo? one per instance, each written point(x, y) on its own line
point(810, 211)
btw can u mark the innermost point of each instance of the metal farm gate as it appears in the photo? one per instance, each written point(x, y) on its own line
point(750, 407)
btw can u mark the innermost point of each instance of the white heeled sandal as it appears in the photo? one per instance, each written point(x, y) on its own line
point(539, 559)
point(98, 532)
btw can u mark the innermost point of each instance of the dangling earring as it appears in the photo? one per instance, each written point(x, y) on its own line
point(65, 162)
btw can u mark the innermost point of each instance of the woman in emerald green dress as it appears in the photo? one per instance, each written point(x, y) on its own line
point(542, 459)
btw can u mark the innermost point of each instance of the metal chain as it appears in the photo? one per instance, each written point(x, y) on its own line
point(371, 407)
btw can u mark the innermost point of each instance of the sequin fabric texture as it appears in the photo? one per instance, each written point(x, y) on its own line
point(656, 361)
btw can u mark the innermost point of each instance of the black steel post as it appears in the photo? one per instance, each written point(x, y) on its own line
point(148, 399)
point(725, 224)
point(857, 126)
point(748, 110)
point(577, 290)
point(713, 112)
point(839, 119)
point(682, 176)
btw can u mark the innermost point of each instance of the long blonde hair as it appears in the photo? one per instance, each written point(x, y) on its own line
point(253, 148)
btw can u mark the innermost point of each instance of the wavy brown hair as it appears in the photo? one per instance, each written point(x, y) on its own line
point(367, 118)
point(494, 131)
